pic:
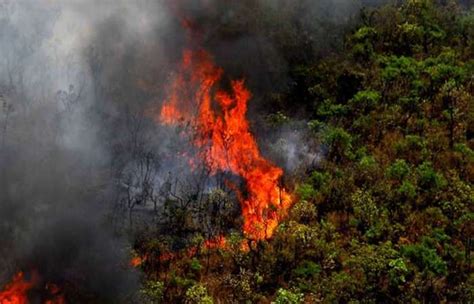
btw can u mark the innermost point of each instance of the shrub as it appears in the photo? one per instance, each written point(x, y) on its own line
point(339, 142)
point(365, 208)
point(398, 170)
point(307, 269)
point(285, 296)
point(197, 294)
point(152, 291)
point(366, 99)
point(426, 258)
point(367, 163)
point(398, 271)
point(428, 178)
point(195, 264)
point(407, 189)
point(306, 191)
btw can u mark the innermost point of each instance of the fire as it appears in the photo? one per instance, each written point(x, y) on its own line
point(56, 295)
point(223, 136)
point(16, 292)
point(136, 261)
point(219, 242)
point(216, 243)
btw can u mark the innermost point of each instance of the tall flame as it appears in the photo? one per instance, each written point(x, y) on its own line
point(223, 137)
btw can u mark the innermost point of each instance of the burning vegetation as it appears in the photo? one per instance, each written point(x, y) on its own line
point(221, 132)
point(21, 289)
point(16, 292)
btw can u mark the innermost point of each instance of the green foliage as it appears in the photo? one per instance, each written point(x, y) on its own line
point(426, 258)
point(407, 189)
point(319, 179)
point(465, 152)
point(316, 125)
point(277, 119)
point(195, 264)
point(152, 291)
point(197, 294)
point(444, 68)
point(328, 109)
point(413, 148)
point(362, 41)
point(307, 269)
point(181, 282)
point(364, 33)
point(394, 68)
point(285, 296)
point(398, 170)
point(364, 207)
point(304, 211)
point(428, 178)
point(306, 191)
point(339, 142)
point(398, 271)
point(366, 100)
point(367, 163)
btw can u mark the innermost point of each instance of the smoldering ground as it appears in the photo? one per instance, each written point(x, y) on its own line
point(79, 81)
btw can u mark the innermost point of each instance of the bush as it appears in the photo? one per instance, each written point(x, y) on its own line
point(366, 100)
point(365, 208)
point(319, 179)
point(195, 264)
point(398, 271)
point(428, 178)
point(426, 258)
point(398, 170)
point(339, 143)
point(407, 190)
point(197, 294)
point(399, 67)
point(307, 269)
point(287, 297)
point(152, 291)
point(367, 163)
point(306, 192)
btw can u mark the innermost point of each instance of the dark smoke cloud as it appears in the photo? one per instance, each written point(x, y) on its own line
point(78, 83)
point(259, 39)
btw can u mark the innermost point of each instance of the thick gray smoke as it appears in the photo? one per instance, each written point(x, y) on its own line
point(55, 179)
point(78, 83)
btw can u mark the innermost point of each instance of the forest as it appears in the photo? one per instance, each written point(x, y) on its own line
point(254, 151)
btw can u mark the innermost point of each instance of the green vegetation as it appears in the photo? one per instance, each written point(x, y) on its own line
point(387, 215)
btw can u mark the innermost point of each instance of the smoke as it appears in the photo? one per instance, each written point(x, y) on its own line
point(55, 181)
point(259, 39)
point(79, 81)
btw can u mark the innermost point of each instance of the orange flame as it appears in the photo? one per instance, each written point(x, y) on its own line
point(16, 292)
point(219, 242)
point(136, 261)
point(223, 136)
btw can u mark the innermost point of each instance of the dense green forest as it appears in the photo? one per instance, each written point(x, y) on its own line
point(386, 213)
